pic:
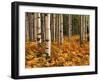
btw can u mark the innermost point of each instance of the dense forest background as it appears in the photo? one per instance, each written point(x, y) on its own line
point(56, 40)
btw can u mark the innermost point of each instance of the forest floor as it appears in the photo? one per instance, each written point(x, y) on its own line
point(70, 53)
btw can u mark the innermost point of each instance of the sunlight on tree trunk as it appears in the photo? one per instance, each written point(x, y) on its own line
point(39, 29)
point(48, 34)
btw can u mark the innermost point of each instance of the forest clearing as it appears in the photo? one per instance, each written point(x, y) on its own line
point(53, 40)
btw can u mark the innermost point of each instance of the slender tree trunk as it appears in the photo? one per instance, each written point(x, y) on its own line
point(48, 34)
point(30, 19)
point(26, 27)
point(32, 26)
point(61, 28)
point(59, 25)
point(51, 26)
point(42, 28)
point(81, 30)
point(35, 27)
point(84, 26)
point(56, 28)
point(39, 28)
point(54, 19)
point(70, 26)
point(88, 26)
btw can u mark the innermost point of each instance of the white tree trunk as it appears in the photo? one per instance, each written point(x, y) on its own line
point(39, 29)
point(48, 34)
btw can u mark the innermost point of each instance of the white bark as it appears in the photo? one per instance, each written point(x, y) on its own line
point(39, 29)
point(48, 34)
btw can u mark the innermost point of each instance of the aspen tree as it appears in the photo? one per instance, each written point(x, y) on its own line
point(35, 27)
point(30, 19)
point(38, 28)
point(42, 28)
point(88, 26)
point(54, 20)
point(84, 26)
point(56, 28)
point(59, 25)
point(81, 30)
point(48, 34)
point(51, 26)
point(26, 27)
point(61, 29)
point(70, 25)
